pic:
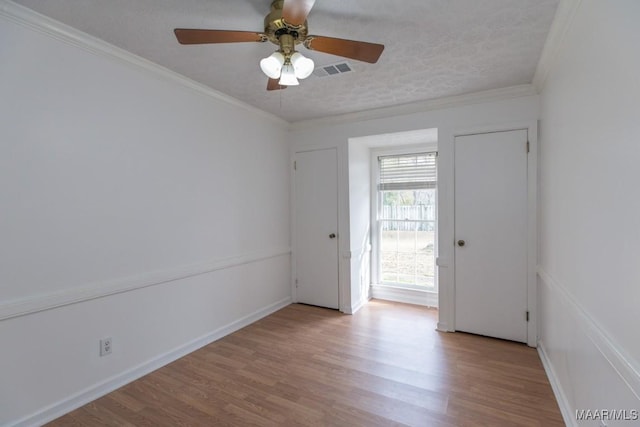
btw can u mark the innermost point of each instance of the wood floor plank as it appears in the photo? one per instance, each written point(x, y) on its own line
point(307, 366)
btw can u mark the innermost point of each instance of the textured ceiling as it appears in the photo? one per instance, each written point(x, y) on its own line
point(433, 48)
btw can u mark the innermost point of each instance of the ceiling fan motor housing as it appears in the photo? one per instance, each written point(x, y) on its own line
point(275, 27)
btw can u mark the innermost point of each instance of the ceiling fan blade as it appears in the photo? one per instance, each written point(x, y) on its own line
point(295, 12)
point(274, 84)
point(362, 51)
point(192, 36)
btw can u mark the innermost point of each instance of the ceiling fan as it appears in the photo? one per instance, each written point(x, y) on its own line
point(286, 26)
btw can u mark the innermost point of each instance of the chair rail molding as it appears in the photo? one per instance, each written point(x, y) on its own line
point(626, 367)
point(36, 303)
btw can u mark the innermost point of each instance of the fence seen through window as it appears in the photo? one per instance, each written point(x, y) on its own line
point(407, 220)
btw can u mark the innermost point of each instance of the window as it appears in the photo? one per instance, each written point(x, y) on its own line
point(406, 220)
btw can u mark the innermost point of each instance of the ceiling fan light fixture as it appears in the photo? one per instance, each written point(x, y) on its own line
point(288, 75)
point(286, 27)
point(272, 65)
point(302, 65)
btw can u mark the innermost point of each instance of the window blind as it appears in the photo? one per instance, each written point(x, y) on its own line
point(407, 172)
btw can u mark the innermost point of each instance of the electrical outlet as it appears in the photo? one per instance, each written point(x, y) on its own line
point(105, 346)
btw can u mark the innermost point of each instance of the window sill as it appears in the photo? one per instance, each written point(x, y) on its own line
point(424, 297)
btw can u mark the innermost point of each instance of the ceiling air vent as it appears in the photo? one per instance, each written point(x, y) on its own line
point(333, 69)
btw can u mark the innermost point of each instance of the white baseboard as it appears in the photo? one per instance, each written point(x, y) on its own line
point(358, 306)
point(405, 295)
point(561, 398)
point(98, 390)
point(443, 327)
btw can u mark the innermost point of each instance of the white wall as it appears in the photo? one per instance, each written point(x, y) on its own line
point(449, 121)
point(162, 211)
point(359, 222)
point(589, 210)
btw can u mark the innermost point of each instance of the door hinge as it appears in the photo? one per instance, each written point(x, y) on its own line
point(295, 165)
point(528, 146)
point(527, 316)
point(296, 283)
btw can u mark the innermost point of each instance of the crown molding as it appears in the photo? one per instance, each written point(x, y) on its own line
point(562, 21)
point(421, 106)
point(28, 18)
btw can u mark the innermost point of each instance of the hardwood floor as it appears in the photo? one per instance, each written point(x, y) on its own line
point(308, 366)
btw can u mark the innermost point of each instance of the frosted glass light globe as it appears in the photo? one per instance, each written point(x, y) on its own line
point(302, 65)
point(288, 76)
point(272, 64)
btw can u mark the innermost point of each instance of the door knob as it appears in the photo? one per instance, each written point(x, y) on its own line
point(461, 243)
point(332, 235)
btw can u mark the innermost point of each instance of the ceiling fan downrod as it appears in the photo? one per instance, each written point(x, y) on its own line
point(275, 26)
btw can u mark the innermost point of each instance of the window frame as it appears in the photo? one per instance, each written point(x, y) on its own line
point(376, 207)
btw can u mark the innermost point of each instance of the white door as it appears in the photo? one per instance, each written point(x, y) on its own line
point(316, 229)
point(491, 234)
